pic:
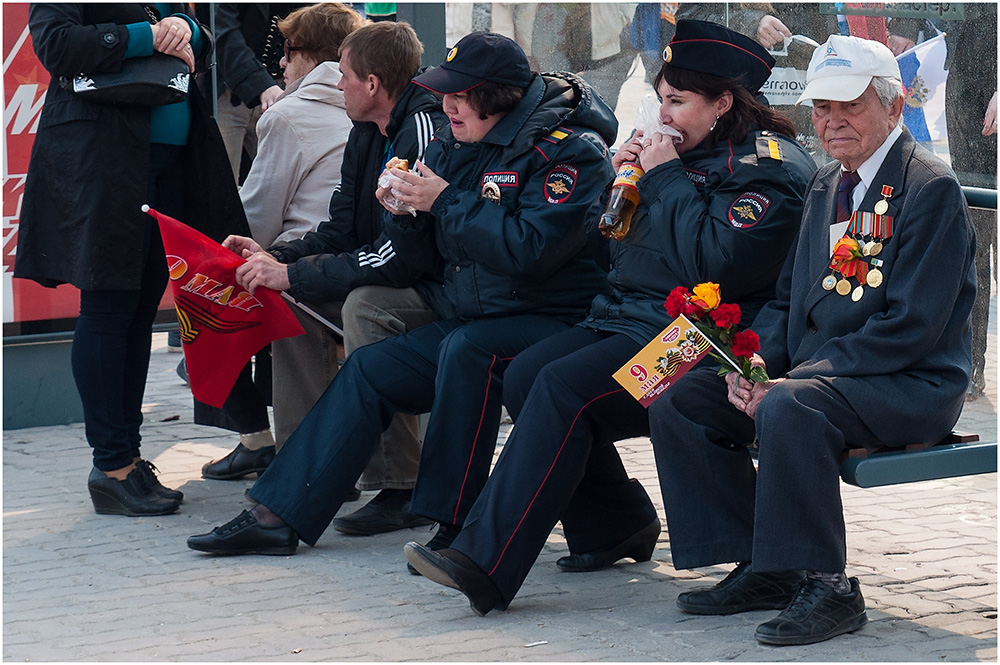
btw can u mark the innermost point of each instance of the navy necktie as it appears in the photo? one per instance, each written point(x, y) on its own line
point(848, 180)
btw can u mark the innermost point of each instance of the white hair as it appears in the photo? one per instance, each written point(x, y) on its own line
point(888, 89)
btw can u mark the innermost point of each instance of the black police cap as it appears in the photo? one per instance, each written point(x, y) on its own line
point(710, 48)
point(477, 58)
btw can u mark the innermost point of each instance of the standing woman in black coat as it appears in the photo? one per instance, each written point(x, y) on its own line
point(92, 168)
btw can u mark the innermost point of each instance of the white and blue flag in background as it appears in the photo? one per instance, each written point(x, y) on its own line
point(924, 78)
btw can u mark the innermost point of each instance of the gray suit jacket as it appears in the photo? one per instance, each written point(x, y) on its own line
point(901, 356)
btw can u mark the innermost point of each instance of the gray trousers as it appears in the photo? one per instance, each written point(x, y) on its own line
point(304, 366)
point(238, 126)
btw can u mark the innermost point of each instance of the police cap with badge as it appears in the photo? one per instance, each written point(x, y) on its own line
point(710, 48)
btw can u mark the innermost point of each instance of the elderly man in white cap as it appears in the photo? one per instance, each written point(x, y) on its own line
point(868, 344)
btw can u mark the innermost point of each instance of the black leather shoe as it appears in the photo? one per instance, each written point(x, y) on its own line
point(239, 463)
point(148, 471)
point(638, 546)
point(132, 496)
point(243, 535)
point(816, 613)
point(445, 536)
point(388, 511)
point(742, 591)
point(453, 569)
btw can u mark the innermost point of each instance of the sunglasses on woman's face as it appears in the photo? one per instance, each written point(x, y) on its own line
point(289, 48)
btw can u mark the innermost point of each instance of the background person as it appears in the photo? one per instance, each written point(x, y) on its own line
point(287, 192)
point(248, 53)
point(347, 269)
point(89, 231)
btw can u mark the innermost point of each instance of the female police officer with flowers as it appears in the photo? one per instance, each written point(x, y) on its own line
point(723, 206)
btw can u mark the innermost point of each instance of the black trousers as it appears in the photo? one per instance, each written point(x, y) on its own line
point(111, 343)
point(560, 461)
point(453, 369)
point(787, 516)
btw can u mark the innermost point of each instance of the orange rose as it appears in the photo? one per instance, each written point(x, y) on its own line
point(846, 248)
point(706, 296)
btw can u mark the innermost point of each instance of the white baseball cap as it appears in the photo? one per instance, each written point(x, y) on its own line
point(841, 69)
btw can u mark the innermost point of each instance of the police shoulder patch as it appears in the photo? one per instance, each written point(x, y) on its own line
point(748, 209)
point(560, 183)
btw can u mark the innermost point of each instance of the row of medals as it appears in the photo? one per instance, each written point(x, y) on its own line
point(871, 248)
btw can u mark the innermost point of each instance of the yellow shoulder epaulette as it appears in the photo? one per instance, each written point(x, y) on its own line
point(768, 146)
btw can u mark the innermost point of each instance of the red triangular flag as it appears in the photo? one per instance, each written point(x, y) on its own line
point(222, 325)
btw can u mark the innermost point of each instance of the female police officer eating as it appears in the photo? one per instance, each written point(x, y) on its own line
point(721, 205)
point(502, 204)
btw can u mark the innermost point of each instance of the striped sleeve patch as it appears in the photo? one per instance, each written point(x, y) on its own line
point(383, 255)
point(425, 132)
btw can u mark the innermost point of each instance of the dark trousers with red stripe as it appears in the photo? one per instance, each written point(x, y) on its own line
point(453, 369)
point(560, 461)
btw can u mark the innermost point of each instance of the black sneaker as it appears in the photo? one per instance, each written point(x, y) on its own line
point(742, 591)
point(244, 535)
point(816, 613)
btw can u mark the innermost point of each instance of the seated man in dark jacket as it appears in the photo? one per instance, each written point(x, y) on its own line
point(346, 268)
point(503, 199)
point(868, 344)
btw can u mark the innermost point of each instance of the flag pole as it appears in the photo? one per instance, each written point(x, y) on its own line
point(313, 313)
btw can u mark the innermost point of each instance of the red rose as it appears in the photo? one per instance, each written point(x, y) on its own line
point(726, 315)
point(676, 301)
point(745, 344)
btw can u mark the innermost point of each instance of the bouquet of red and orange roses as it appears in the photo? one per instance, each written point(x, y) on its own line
point(717, 321)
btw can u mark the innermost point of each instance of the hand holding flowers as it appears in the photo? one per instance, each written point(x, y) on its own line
point(734, 350)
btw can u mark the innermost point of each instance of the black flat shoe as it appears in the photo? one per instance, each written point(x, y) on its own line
point(742, 591)
point(639, 546)
point(445, 536)
point(388, 511)
point(243, 535)
point(453, 569)
point(149, 471)
point(131, 497)
point(816, 613)
point(239, 463)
